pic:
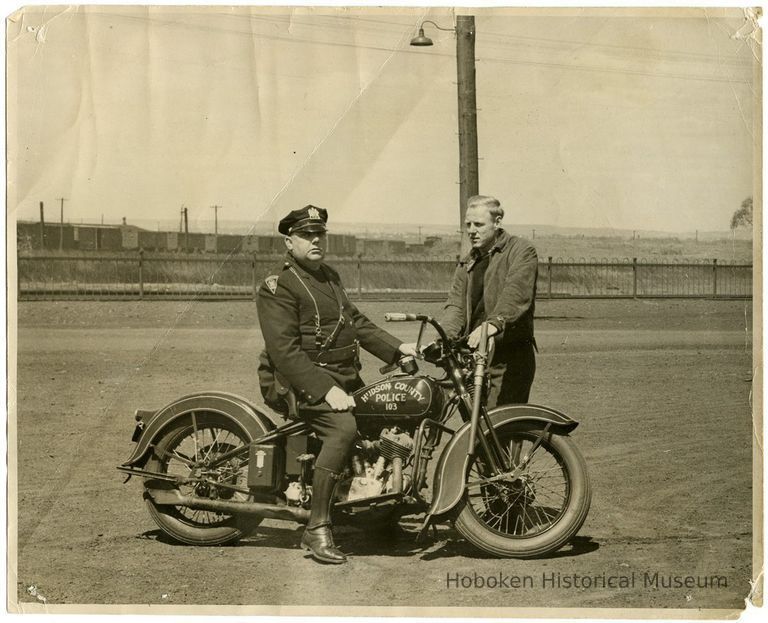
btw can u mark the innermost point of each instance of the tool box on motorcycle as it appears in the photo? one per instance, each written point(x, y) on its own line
point(266, 463)
point(399, 400)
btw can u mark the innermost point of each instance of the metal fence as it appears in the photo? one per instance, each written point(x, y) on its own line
point(161, 277)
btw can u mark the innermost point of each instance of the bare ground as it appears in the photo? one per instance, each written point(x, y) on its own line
point(661, 388)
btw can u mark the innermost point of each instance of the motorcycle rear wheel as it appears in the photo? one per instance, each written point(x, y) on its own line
point(182, 449)
point(535, 514)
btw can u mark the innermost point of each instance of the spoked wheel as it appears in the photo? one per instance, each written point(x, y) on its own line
point(188, 449)
point(536, 512)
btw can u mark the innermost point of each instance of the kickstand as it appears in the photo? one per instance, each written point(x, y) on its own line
point(434, 531)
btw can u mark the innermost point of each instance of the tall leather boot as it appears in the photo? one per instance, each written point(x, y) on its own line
point(318, 537)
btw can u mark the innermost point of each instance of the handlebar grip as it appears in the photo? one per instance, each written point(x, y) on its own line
point(400, 317)
point(388, 368)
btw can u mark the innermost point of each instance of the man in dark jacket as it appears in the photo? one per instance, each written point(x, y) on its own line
point(311, 333)
point(496, 283)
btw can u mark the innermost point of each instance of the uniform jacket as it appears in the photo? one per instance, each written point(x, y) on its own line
point(287, 318)
point(509, 291)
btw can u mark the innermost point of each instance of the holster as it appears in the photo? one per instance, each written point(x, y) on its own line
point(285, 391)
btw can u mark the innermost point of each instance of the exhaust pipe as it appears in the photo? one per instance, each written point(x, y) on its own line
point(173, 497)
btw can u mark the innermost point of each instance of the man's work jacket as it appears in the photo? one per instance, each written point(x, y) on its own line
point(509, 291)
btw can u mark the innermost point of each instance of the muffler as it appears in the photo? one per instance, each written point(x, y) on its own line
point(173, 497)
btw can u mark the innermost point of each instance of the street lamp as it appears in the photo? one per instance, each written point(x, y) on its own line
point(465, 72)
point(421, 40)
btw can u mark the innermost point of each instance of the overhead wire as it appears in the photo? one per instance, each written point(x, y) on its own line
point(483, 34)
point(405, 50)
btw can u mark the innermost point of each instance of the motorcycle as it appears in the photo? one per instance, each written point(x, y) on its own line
point(510, 478)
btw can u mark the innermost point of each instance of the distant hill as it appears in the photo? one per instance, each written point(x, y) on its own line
point(411, 232)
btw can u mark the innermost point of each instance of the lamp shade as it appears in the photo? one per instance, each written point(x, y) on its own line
point(421, 39)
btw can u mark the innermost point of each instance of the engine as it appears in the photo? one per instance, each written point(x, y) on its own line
point(377, 466)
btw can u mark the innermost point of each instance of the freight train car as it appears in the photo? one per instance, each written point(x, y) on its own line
point(130, 237)
point(153, 240)
point(190, 242)
point(96, 238)
point(341, 245)
point(58, 237)
point(263, 245)
point(230, 243)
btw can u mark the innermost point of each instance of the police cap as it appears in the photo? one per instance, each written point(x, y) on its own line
point(309, 219)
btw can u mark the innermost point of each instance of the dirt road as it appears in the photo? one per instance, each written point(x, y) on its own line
point(661, 388)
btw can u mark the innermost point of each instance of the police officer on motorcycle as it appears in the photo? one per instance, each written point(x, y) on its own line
point(312, 333)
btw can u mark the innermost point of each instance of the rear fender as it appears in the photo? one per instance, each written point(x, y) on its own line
point(448, 485)
point(255, 422)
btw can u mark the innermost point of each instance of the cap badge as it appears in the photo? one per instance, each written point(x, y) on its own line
point(313, 213)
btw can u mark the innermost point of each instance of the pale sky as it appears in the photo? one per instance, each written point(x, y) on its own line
point(587, 118)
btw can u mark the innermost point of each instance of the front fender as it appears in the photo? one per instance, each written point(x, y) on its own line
point(255, 422)
point(452, 465)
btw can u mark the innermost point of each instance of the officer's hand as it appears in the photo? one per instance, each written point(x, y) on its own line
point(473, 341)
point(409, 349)
point(338, 399)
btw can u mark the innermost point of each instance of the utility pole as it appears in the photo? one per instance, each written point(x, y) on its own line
point(419, 234)
point(216, 219)
point(61, 227)
point(42, 226)
point(465, 72)
point(533, 237)
point(186, 231)
point(216, 227)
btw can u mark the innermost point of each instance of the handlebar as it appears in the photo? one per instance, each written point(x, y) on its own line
point(401, 317)
point(423, 318)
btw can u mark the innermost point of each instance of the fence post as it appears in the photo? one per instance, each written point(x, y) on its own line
point(549, 277)
point(253, 276)
point(634, 277)
point(714, 278)
point(360, 277)
point(141, 274)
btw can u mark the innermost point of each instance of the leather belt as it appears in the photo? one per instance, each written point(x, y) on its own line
point(336, 355)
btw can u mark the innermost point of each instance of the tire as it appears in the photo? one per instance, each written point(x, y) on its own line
point(215, 435)
point(533, 515)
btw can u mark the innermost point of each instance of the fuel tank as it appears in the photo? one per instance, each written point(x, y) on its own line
point(398, 400)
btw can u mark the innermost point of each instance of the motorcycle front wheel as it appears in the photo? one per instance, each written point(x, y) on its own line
point(184, 450)
point(534, 514)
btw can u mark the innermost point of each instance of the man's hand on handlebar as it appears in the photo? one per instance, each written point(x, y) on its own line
point(473, 340)
point(409, 349)
point(339, 400)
